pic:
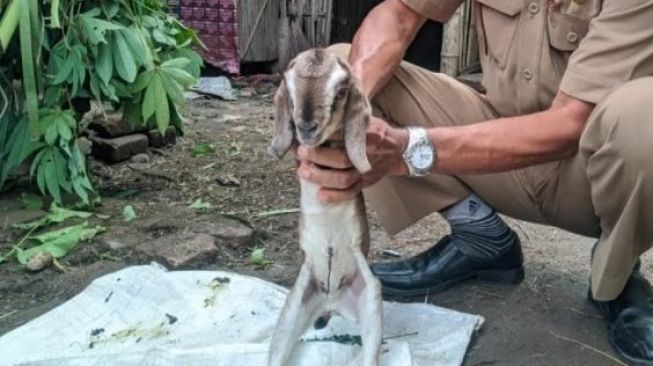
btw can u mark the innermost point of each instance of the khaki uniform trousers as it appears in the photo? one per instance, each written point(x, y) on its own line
point(604, 191)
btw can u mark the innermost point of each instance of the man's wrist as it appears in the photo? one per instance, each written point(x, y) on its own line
point(401, 137)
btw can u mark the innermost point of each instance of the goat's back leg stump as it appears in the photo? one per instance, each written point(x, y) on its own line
point(304, 304)
point(361, 304)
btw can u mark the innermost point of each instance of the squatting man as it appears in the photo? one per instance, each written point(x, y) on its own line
point(563, 137)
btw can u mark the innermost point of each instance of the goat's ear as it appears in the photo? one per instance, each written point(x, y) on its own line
point(284, 131)
point(357, 117)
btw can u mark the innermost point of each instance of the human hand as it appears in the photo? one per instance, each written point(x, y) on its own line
point(331, 169)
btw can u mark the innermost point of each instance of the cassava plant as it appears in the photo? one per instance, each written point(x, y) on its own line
point(58, 55)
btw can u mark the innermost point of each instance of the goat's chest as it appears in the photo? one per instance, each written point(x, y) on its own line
point(330, 233)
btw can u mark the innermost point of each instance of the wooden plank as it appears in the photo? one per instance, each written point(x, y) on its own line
point(264, 45)
point(459, 41)
point(450, 53)
point(328, 9)
point(308, 22)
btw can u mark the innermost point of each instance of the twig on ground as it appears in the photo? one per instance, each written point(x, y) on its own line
point(278, 212)
point(6, 315)
point(585, 314)
point(612, 358)
point(488, 293)
point(58, 265)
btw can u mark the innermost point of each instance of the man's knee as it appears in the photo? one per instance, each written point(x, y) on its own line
point(624, 120)
point(340, 49)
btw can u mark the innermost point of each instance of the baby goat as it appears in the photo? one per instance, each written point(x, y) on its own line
point(318, 98)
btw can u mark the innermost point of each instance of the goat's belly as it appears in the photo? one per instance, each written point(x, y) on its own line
point(331, 241)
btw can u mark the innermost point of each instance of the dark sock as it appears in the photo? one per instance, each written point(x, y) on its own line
point(477, 230)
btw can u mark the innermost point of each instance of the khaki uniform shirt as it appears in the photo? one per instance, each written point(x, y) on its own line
point(530, 49)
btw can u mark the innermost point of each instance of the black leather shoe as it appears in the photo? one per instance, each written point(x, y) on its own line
point(444, 266)
point(630, 320)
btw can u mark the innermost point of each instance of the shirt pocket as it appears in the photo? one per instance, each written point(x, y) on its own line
point(498, 21)
point(565, 32)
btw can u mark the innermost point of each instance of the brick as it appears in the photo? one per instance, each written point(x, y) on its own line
point(157, 140)
point(118, 149)
point(114, 126)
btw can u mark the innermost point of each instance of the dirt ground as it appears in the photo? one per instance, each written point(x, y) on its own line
point(546, 320)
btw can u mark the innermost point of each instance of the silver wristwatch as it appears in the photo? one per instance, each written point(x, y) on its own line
point(420, 154)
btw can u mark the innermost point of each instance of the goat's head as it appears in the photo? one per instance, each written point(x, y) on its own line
point(317, 98)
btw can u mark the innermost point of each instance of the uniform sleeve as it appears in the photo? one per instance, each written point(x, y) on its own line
point(438, 10)
point(618, 48)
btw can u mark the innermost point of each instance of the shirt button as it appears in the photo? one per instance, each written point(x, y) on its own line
point(533, 8)
point(527, 74)
point(572, 37)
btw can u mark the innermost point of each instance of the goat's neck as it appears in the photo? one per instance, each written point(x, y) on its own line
point(310, 204)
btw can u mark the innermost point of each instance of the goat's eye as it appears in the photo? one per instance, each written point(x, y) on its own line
point(341, 93)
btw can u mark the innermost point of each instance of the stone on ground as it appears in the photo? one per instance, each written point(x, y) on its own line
point(227, 232)
point(181, 250)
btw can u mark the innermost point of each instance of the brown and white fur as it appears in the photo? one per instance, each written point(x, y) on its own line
point(317, 99)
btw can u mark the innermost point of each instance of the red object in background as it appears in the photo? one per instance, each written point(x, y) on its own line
point(216, 23)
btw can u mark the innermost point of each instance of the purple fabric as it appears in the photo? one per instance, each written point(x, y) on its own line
point(216, 22)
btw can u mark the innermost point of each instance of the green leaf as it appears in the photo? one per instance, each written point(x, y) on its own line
point(142, 81)
point(173, 90)
point(64, 73)
point(152, 92)
point(121, 89)
point(162, 38)
point(32, 201)
point(40, 177)
point(59, 242)
point(162, 111)
point(123, 59)
point(51, 181)
point(257, 257)
point(200, 204)
point(79, 188)
point(150, 21)
point(203, 149)
point(178, 63)
point(128, 213)
point(109, 91)
point(21, 147)
point(138, 46)
point(61, 171)
point(56, 215)
point(195, 66)
point(95, 29)
point(181, 76)
point(78, 74)
point(104, 63)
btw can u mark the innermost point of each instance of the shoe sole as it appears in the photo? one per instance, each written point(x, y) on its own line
point(508, 277)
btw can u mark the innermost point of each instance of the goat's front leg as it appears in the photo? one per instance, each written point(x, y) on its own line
point(362, 304)
point(303, 306)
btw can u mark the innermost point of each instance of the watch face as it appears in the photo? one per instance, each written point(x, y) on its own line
point(422, 157)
